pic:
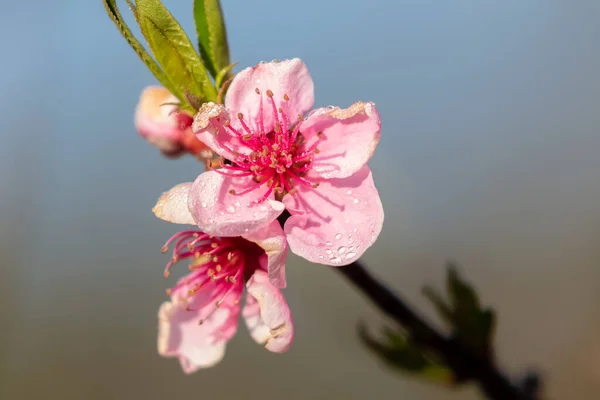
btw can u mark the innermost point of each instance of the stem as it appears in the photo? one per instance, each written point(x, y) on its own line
point(465, 363)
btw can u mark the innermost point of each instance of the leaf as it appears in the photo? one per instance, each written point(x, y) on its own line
point(442, 308)
point(115, 16)
point(399, 351)
point(463, 313)
point(224, 75)
point(174, 51)
point(212, 35)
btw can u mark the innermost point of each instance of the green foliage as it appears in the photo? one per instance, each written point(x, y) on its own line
point(399, 351)
point(176, 63)
point(173, 50)
point(212, 36)
point(469, 322)
point(115, 16)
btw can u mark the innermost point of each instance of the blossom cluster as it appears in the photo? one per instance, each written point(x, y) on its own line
point(268, 155)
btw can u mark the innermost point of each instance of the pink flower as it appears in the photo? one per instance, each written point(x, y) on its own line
point(274, 158)
point(158, 120)
point(203, 313)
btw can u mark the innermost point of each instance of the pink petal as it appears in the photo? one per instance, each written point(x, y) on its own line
point(349, 138)
point(341, 219)
point(180, 334)
point(272, 239)
point(172, 206)
point(267, 314)
point(289, 77)
point(156, 121)
point(220, 213)
point(209, 128)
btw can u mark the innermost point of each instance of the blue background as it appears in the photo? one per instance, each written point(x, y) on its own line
point(488, 156)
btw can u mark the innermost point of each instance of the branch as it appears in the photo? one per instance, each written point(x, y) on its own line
point(466, 364)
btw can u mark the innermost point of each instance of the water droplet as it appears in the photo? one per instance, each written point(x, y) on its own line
point(263, 208)
point(349, 192)
point(230, 209)
point(350, 240)
point(335, 259)
point(338, 236)
point(237, 204)
point(350, 255)
point(356, 201)
point(351, 249)
point(203, 204)
point(328, 243)
point(349, 235)
point(222, 212)
point(211, 221)
point(328, 251)
point(255, 215)
point(355, 229)
point(321, 256)
point(341, 250)
point(246, 229)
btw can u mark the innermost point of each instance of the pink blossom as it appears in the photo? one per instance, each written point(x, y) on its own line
point(158, 120)
point(203, 313)
point(275, 158)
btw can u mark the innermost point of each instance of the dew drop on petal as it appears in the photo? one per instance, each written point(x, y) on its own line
point(328, 251)
point(350, 255)
point(230, 209)
point(349, 192)
point(203, 204)
point(341, 250)
point(328, 243)
point(356, 201)
point(338, 236)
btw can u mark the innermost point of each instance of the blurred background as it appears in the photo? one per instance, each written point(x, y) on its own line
point(488, 156)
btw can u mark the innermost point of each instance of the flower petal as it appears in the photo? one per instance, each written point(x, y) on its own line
point(172, 206)
point(272, 239)
point(156, 121)
point(349, 138)
point(180, 334)
point(267, 314)
point(209, 127)
point(288, 77)
point(335, 223)
point(220, 213)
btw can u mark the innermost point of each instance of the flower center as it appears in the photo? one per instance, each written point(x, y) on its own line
point(279, 159)
point(217, 265)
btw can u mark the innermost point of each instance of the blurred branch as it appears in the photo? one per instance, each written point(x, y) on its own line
point(466, 363)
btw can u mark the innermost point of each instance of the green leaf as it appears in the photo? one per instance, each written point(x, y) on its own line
point(463, 297)
point(115, 16)
point(212, 35)
point(174, 51)
point(399, 351)
point(223, 75)
point(443, 309)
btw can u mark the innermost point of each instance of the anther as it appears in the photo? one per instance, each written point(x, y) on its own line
point(229, 256)
point(195, 235)
point(218, 267)
point(240, 116)
point(294, 191)
point(218, 303)
point(214, 245)
point(165, 249)
point(320, 135)
point(166, 274)
point(191, 292)
point(247, 137)
point(231, 191)
point(257, 91)
point(317, 151)
point(200, 322)
point(269, 93)
point(169, 292)
point(280, 110)
point(315, 185)
point(286, 97)
point(232, 279)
